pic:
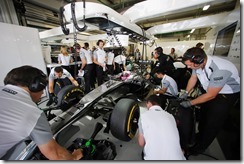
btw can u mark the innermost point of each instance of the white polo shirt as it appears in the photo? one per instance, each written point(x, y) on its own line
point(169, 83)
point(161, 135)
point(219, 72)
point(65, 60)
point(110, 58)
point(64, 75)
point(87, 55)
point(100, 55)
point(120, 59)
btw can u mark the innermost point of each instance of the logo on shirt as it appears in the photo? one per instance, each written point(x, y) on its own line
point(218, 78)
point(9, 91)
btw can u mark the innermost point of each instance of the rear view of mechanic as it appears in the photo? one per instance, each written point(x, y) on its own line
point(158, 133)
point(22, 120)
point(221, 81)
point(61, 77)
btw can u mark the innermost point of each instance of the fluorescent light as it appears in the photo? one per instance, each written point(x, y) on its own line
point(205, 7)
point(192, 30)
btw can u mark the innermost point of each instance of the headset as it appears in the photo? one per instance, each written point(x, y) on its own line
point(196, 59)
point(38, 83)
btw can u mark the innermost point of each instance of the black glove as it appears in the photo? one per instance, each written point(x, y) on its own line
point(52, 99)
point(184, 95)
point(186, 104)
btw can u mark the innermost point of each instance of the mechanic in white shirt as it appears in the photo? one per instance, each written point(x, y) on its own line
point(221, 81)
point(100, 59)
point(87, 66)
point(58, 78)
point(120, 63)
point(158, 133)
point(110, 62)
point(169, 88)
point(22, 120)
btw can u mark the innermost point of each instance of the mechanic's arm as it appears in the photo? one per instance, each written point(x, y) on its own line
point(50, 85)
point(161, 91)
point(53, 151)
point(83, 60)
point(191, 82)
point(209, 95)
point(141, 140)
point(73, 81)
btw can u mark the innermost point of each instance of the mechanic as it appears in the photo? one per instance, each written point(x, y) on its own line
point(58, 77)
point(100, 59)
point(87, 66)
point(22, 120)
point(168, 88)
point(120, 63)
point(158, 133)
point(221, 82)
point(162, 60)
point(110, 63)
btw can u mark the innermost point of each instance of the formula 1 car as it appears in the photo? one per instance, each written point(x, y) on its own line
point(113, 107)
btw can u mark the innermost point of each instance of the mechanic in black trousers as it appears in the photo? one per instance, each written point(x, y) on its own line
point(220, 79)
point(87, 66)
point(163, 60)
point(100, 59)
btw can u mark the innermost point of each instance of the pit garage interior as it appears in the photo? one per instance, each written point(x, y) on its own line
point(96, 108)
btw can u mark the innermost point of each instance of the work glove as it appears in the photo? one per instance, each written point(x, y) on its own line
point(52, 99)
point(184, 95)
point(186, 104)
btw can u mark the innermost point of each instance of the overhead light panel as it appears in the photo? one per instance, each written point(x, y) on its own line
point(205, 7)
point(192, 30)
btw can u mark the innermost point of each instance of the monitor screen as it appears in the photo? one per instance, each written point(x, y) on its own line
point(223, 41)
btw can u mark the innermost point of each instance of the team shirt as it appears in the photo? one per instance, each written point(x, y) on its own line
point(110, 58)
point(100, 55)
point(169, 83)
point(219, 72)
point(65, 60)
point(86, 54)
point(53, 77)
point(20, 119)
point(162, 141)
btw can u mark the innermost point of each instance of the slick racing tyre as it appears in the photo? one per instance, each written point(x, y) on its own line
point(124, 119)
point(69, 96)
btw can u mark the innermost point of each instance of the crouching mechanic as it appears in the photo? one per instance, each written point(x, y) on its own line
point(22, 120)
point(158, 133)
point(61, 77)
point(169, 88)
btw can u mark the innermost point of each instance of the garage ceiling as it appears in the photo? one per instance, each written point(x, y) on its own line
point(43, 14)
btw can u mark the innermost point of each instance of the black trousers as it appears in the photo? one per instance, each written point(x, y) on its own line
point(213, 115)
point(110, 70)
point(88, 77)
point(100, 74)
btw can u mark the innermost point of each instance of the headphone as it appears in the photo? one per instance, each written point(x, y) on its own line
point(38, 83)
point(196, 59)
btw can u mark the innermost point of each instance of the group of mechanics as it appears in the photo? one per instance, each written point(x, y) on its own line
point(22, 120)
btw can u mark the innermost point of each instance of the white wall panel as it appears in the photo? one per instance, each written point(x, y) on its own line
point(19, 46)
